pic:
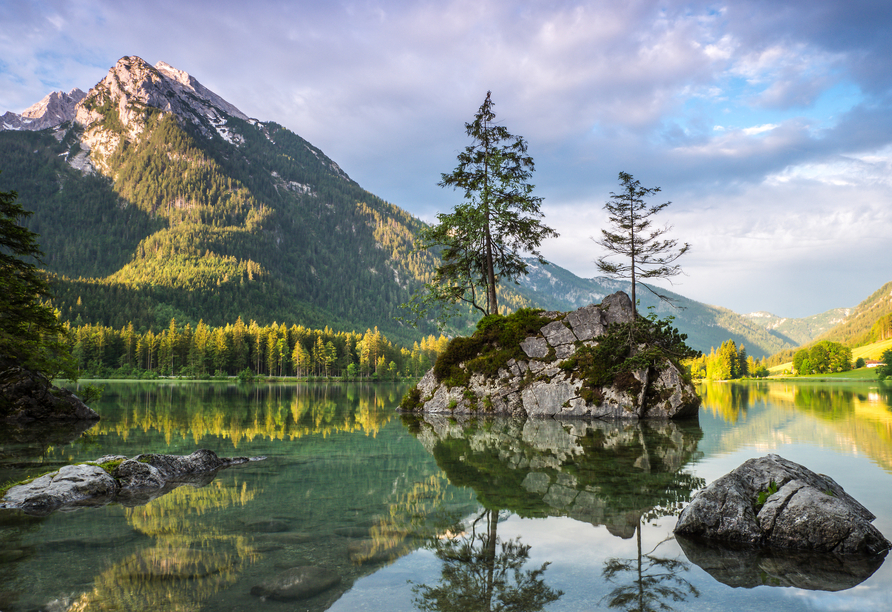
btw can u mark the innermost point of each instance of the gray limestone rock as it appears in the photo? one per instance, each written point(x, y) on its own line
point(807, 511)
point(134, 482)
point(586, 323)
point(71, 486)
point(617, 308)
point(297, 583)
point(556, 333)
point(134, 474)
point(534, 347)
point(548, 385)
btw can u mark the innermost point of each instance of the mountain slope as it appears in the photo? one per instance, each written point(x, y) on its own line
point(155, 197)
point(870, 321)
point(801, 331)
point(706, 326)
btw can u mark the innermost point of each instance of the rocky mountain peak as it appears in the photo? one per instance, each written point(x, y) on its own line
point(133, 85)
point(57, 107)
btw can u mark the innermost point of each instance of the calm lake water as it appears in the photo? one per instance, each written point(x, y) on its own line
point(438, 514)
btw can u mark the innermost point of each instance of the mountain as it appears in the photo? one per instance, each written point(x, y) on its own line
point(707, 326)
point(54, 109)
point(870, 321)
point(805, 330)
point(155, 198)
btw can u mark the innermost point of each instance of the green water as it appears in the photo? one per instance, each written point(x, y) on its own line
point(436, 513)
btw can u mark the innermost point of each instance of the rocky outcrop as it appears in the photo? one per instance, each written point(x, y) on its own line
point(544, 382)
point(56, 108)
point(131, 482)
point(774, 502)
point(27, 396)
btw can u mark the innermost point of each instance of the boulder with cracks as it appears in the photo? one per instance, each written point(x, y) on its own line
point(771, 501)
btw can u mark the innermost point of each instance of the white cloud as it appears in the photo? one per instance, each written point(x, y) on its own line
point(759, 129)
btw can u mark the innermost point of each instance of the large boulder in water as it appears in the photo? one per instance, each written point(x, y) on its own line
point(775, 502)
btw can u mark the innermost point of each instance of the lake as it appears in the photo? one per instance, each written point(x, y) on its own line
point(404, 513)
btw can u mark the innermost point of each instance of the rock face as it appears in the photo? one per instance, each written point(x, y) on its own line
point(539, 386)
point(27, 396)
point(801, 510)
point(57, 107)
point(133, 482)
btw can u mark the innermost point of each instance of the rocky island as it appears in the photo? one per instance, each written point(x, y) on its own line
point(601, 361)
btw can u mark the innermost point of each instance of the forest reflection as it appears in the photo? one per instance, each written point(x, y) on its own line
point(848, 412)
point(191, 559)
point(245, 412)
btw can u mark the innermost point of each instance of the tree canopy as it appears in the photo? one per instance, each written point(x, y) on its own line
point(649, 255)
point(29, 329)
point(484, 237)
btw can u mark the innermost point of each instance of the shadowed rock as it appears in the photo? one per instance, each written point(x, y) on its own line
point(774, 502)
point(749, 567)
point(27, 396)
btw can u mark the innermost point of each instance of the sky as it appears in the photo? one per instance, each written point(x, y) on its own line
point(767, 124)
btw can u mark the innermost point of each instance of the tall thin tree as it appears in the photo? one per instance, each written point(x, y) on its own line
point(649, 255)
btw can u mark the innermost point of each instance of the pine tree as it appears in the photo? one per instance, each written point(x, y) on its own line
point(484, 236)
point(649, 256)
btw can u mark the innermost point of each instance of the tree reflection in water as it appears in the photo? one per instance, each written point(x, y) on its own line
point(653, 580)
point(482, 573)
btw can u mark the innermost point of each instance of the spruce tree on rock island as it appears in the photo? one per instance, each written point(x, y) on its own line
point(484, 237)
point(649, 255)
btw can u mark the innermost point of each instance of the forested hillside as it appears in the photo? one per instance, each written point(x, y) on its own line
point(870, 321)
point(203, 214)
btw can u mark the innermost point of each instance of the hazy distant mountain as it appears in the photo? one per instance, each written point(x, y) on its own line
point(706, 326)
point(801, 331)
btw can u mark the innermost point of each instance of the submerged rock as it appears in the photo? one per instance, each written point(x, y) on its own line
point(297, 583)
point(554, 372)
point(778, 503)
point(135, 481)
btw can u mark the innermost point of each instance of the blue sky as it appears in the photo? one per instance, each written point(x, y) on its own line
point(767, 124)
